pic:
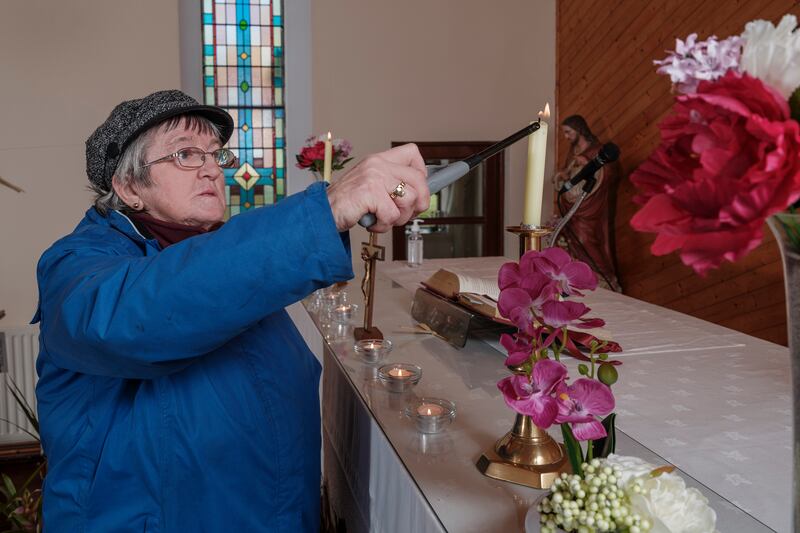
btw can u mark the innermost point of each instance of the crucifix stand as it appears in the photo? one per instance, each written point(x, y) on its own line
point(370, 254)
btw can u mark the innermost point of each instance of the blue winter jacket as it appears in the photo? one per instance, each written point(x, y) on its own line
point(175, 393)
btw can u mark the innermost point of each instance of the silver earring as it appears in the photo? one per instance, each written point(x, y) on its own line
point(136, 205)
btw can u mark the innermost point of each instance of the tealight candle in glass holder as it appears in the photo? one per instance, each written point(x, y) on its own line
point(399, 377)
point(330, 297)
point(344, 312)
point(431, 415)
point(373, 350)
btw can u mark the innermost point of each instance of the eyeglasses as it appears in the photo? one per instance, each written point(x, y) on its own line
point(192, 158)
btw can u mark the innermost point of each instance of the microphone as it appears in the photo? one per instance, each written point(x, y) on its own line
point(440, 177)
point(608, 153)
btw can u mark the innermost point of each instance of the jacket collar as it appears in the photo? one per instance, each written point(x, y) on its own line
point(121, 223)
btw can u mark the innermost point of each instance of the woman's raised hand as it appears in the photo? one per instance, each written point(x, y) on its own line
point(392, 184)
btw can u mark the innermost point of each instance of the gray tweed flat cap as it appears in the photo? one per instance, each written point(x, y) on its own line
point(133, 117)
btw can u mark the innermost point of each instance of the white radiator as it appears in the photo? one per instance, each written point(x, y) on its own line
point(18, 350)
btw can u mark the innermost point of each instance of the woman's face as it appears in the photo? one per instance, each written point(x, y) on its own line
point(185, 196)
point(569, 134)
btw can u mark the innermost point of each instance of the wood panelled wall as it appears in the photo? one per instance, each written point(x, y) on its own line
point(605, 72)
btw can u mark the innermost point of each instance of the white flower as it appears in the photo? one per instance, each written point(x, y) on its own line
point(630, 467)
point(664, 499)
point(773, 54)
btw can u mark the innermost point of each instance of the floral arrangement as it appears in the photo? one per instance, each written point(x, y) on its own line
point(312, 156)
point(532, 297)
point(730, 153)
point(625, 494)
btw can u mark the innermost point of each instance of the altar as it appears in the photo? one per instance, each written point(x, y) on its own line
point(711, 401)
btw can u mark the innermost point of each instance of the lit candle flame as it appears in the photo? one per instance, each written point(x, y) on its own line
point(546, 113)
point(329, 133)
point(428, 411)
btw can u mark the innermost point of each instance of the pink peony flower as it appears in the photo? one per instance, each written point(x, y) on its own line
point(534, 396)
point(580, 404)
point(729, 158)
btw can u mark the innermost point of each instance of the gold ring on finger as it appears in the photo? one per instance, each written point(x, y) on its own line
point(398, 191)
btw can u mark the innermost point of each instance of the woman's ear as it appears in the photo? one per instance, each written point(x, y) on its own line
point(127, 193)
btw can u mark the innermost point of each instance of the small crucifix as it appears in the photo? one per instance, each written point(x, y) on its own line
point(370, 253)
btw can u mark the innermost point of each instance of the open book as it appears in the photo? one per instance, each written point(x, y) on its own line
point(476, 291)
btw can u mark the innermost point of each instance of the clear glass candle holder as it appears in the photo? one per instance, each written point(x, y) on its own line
point(431, 415)
point(344, 312)
point(330, 298)
point(399, 377)
point(373, 350)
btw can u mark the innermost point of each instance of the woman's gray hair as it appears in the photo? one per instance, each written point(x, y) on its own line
point(131, 169)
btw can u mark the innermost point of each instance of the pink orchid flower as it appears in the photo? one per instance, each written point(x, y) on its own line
point(519, 303)
point(515, 304)
point(569, 275)
point(580, 404)
point(519, 348)
point(534, 396)
point(568, 314)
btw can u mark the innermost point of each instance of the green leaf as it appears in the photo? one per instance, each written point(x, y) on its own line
point(791, 226)
point(10, 491)
point(7, 421)
point(607, 445)
point(794, 104)
point(574, 451)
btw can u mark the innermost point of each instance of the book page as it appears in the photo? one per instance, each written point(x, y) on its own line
point(482, 285)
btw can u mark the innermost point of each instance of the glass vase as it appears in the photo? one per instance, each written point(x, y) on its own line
point(786, 228)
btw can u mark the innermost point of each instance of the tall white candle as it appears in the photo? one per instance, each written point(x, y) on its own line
point(534, 175)
point(326, 169)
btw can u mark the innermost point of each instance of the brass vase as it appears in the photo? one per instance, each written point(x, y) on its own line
point(791, 272)
point(526, 455)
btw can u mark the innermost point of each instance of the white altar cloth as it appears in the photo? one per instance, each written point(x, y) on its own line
point(712, 401)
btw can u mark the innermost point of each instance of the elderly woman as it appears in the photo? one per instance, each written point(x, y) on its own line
point(175, 394)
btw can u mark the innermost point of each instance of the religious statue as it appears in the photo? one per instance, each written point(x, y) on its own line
point(587, 236)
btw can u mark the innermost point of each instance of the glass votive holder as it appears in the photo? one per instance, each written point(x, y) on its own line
point(431, 415)
point(344, 312)
point(329, 298)
point(399, 377)
point(335, 331)
point(432, 444)
point(373, 350)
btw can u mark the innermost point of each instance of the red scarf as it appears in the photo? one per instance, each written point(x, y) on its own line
point(167, 233)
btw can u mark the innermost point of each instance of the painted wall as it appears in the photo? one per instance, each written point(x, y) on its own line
point(444, 70)
point(65, 65)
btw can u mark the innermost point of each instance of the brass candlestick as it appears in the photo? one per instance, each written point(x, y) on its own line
point(370, 254)
point(530, 237)
point(526, 455)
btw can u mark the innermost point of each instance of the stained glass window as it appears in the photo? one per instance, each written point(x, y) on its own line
point(243, 73)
